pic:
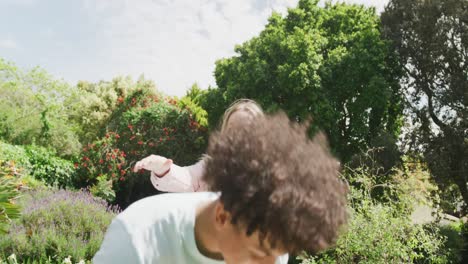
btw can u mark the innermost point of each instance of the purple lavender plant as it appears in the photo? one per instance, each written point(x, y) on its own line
point(58, 223)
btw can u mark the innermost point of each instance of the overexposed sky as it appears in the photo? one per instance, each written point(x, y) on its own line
point(173, 42)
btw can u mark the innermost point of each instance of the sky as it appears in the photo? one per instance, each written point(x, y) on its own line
point(175, 43)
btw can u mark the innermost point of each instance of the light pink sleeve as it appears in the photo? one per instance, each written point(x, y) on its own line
point(181, 179)
point(196, 171)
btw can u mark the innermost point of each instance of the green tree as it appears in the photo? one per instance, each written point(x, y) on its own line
point(192, 100)
point(32, 109)
point(214, 102)
point(326, 62)
point(91, 104)
point(431, 38)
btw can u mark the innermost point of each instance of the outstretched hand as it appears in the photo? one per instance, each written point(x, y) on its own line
point(154, 163)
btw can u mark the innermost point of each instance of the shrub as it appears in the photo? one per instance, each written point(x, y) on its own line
point(45, 260)
point(14, 153)
point(379, 233)
point(456, 242)
point(92, 104)
point(375, 235)
point(101, 158)
point(103, 188)
point(40, 163)
point(8, 192)
point(144, 123)
point(380, 229)
point(57, 224)
point(46, 166)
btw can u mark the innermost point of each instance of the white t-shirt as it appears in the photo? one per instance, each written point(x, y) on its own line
point(157, 229)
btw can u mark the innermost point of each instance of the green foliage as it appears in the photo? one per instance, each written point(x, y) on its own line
point(143, 124)
point(401, 189)
point(8, 193)
point(32, 109)
point(40, 163)
point(380, 229)
point(455, 240)
point(375, 235)
point(464, 233)
point(16, 159)
point(431, 39)
point(451, 201)
point(91, 104)
point(192, 102)
point(14, 153)
point(329, 63)
point(381, 158)
point(213, 101)
point(103, 188)
point(101, 158)
point(49, 168)
point(43, 260)
point(57, 224)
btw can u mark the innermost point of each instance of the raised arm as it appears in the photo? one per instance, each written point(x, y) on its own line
point(196, 172)
point(169, 177)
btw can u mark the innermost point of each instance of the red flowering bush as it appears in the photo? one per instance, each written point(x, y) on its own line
point(102, 162)
point(144, 123)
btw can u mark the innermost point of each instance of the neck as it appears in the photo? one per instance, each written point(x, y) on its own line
point(205, 231)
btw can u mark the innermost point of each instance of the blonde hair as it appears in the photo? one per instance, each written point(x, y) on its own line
point(247, 105)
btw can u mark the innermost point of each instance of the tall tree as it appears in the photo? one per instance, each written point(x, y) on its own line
point(431, 38)
point(326, 62)
point(211, 100)
point(91, 104)
point(32, 109)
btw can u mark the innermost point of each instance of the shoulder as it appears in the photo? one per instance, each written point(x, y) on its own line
point(117, 246)
point(149, 211)
point(153, 226)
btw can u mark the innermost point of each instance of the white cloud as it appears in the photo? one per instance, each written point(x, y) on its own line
point(8, 44)
point(173, 42)
point(176, 43)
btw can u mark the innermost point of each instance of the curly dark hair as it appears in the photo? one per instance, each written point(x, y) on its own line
point(274, 179)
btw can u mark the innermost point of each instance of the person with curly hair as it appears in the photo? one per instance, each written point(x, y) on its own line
point(169, 177)
point(274, 191)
